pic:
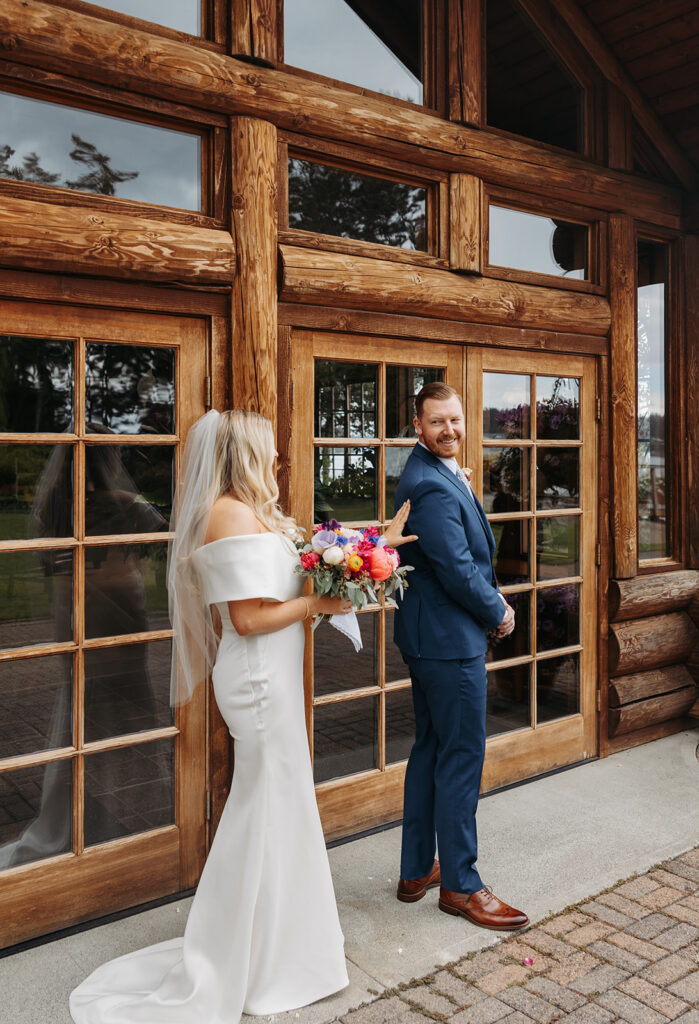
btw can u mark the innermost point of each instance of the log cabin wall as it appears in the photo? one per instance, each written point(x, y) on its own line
point(236, 263)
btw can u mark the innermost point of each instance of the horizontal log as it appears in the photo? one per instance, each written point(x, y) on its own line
point(650, 712)
point(40, 34)
point(642, 685)
point(338, 279)
point(651, 595)
point(44, 236)
point(643, 644)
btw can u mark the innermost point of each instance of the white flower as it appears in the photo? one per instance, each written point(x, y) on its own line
point(333, 555)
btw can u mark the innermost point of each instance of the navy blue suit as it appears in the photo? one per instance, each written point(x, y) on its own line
point(440, 628)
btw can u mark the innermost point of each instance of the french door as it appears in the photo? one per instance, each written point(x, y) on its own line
point(102, 786)
point(531, 444)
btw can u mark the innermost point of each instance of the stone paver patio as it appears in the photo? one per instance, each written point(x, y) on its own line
point(628, 954)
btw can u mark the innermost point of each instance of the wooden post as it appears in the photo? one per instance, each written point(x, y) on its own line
point(691, 276)
point(254, 30)
point(254, 227)
point(465, 228)
point(622, 299)
point(465, 62)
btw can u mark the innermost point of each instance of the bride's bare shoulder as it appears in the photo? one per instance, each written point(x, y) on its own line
point(230, 518)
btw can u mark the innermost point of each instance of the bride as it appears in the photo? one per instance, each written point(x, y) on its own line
point(263, 934)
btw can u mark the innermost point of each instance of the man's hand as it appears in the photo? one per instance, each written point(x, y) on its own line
point(508, 620)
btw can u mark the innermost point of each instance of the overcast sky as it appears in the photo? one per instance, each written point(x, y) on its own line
point(183, 15)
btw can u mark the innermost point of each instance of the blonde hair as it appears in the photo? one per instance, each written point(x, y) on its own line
point(244, 460)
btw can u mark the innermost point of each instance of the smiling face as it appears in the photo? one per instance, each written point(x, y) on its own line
point(441, 426)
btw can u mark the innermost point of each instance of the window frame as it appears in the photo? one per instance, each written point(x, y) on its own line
point(213, 22)
point(596, 283)
point(353, 159)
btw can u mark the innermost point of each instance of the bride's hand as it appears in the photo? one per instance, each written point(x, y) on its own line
point(394, 531)
point(329, 605)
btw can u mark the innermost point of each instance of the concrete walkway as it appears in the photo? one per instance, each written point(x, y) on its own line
point(543, 846)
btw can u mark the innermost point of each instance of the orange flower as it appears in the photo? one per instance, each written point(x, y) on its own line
point(380, 565)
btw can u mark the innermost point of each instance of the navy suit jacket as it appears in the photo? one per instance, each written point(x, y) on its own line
point(452, 598)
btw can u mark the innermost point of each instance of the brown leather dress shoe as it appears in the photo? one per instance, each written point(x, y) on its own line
point(410, 891)
point(482, 908)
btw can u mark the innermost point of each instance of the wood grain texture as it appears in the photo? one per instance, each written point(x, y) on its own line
point(254, 29)
point(465, 224)
point(652, 711)
point(254, 226)
point(40, 34)
point(648, 643)
point(625, 741)
point(642, 685)
point(42, 236)
point(622, 299)
point(651, 595)
point(343, 280)
point(619, 151)
point(465, 62)
point(691, 279)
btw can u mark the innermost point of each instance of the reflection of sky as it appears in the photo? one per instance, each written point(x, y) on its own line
point(524, 241)
point(505, 390)
point(651, 352)
point(183, 15)
point(327, 37)
point(568, 389)
point(167, 161)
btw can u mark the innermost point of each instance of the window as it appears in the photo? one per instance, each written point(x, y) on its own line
point(529, 90)
point(542, 245)
point(338, 202)
point(653, 421)
point(52, 144)
point(363, 42)
point(182, 15)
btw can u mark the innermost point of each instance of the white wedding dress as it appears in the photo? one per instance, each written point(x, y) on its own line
point(263, 934)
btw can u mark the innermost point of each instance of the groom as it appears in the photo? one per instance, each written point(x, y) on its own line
point(440, 628)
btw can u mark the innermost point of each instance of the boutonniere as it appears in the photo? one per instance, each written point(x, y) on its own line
point(467, 471)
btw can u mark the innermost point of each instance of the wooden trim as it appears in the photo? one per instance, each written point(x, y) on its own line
point(361, 801)
point(357, 247)
point(132, 21)
point(420, 328)
point(691, 276)
point(320, 278)
point(527, 752)
point(83, 45)
point(49, 237)
point(465, 62)
point(254, 29)
point(465, 223)
point(604, 459)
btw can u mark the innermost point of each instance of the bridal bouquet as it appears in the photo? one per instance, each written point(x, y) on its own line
point(352, 564)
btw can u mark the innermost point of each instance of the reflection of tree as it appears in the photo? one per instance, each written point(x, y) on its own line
point(558, 415)
point(338, 202)
point(100, 177)
point(345, 485)
point(130, 388)
point(36, 386)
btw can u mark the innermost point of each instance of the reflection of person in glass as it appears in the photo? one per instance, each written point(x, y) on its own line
point(440, 628)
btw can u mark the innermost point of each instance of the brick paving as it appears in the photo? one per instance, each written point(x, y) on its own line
point(629, 954)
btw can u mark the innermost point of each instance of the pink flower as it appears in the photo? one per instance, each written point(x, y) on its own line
point(394, 556)
point(380, 564)
point(309, 559)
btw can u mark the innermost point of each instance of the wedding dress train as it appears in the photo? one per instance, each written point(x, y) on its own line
point(263, 934)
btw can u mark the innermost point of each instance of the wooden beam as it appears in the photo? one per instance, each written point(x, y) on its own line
point(619, 150)
point(254, 29)
point(254, 226)
point(642, 685)
point(466, 62)
point(643, 644)
point(651, 595)
point(465, 222)
point(571, 12)
point(325, 278)
point(622, 299)
point(691, 276)
point(652, 711)
point(40, 34)
point(44, 236)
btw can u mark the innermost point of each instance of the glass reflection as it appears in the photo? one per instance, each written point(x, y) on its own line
point(36, 806)
point(511, 561)
point(557, 617)
point(129, 389)
point(127, 689)
point(129, 790)
point(396, 669)
point(557, 408)
point(36, 704)
point(396, 459)
point(507, 705)
point(345, 484)
point(506, 401)
point(505, 479)
point(517, 643)
point(402, 384)
point(345, 399)
point(182, 15)
point(125, 589)
point(346, 204)
point(557, 687)
point(528, 241)
point(359, 42)
point(557, 547)
point(333, 671)
point(557, 478)
point(653, 527)
point(91, 152)
point(400, 725)
point(36, 384)
point(113, 501)
point(36, 597)
point(345, 738)
point(31, 503)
